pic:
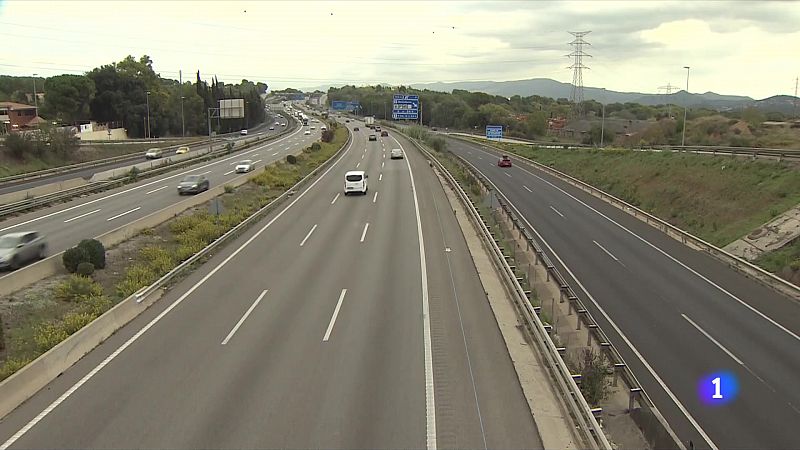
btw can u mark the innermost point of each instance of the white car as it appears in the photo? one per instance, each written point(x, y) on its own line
point(307, 132)
point(396, 153)
point(154, 153)
point(313, 127)
point(276, 123)
point(271, 128)
point(243, 132)
point(355, 181)
point(245, 166)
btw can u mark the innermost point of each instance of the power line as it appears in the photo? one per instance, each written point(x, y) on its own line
point(669, 88)
point(577, 70)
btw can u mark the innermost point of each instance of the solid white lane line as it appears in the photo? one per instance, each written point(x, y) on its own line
point(257, 161)
point(334, 198)
point(616, 328)
point(380, 177)
point(607, 252)
point(82, 215)
point(430, 396)
point(155, 190)
point(527, 188)
point(507, 174)
point(364, 233)
point(557, 211)
point(673, 259)
point(308, 235)
point(8, 443)
point(375, 197)
point(276, 153)
point(333, 317)
point(229, 172)
point(244, 317)
point(739, 361)
point(126, 212)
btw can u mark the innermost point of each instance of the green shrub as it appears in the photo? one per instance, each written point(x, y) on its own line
point(136, 277)
point(159, 259)
point(316, 147)
point(133, 174)
point(85, 269)
point(48, 335)
point(186, 250)
point(77, 287)
point(96, 251)
point(2, 336)
point(229, 189)
point(96, 305)
point(74, 256)
point(291, 159)
point(74, 321)
point(186, 223)
point(11, 365)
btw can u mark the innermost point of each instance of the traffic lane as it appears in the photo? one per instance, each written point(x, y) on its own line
point(468, 345)
point(562, 236)
point(21, 185)
point(148, 196)
point(771, 303)
point(757, 341)
point(201, 312)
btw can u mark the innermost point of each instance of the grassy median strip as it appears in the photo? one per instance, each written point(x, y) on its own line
point(37, 318)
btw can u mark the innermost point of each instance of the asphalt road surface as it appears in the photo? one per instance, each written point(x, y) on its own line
point(676, 314)
point(14, 186)
point(337, 322)
point(67, 223)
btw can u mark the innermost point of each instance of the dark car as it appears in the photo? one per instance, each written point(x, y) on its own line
point(18, 248)
point(193, 184)
point(384, 133)
point(355, 129)
point(372, 137)
point(505, 161)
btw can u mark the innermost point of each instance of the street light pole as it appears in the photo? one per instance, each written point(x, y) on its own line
point(685, 107)
point(148, 115)
point(35, 100)
point(183, 123)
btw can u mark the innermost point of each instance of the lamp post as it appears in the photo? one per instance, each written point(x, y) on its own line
point(183, 123)
point(147, 134)
point(685, 107)
point(35, 100)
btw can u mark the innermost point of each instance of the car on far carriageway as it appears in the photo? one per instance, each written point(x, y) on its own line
point(193, 184)
point(243, 132)
point(21, 247)
point(245, 166)
point(182, 150)
point(154, 153)
point(505, 161)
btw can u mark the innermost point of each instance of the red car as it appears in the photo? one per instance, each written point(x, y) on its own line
point(505, 161)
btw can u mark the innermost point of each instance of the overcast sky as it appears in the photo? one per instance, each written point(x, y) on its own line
point(732, 47)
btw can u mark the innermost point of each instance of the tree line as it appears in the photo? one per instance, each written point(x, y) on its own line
point(120, 92)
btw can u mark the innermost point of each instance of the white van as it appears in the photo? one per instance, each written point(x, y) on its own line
point(355, 181)
point(323, 128)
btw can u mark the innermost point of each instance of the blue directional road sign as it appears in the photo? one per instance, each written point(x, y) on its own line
point(494, 131)
point(340, 105)
point(405, 107)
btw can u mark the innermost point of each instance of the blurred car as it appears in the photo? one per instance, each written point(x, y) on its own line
point(154, 153)
point(355, 129)
point(505, 161)
point(245, 166)
point(18, 248)
point(435, 129)
point(271, 128)
point(276, 123)
point(182, 150)
point(372, 137)
point(384, 133)
point(243, 132)
point(347, 121)
point(283, 124)
point(307, 132)
point(396, 153)
point(313, 127)
point(193, 184)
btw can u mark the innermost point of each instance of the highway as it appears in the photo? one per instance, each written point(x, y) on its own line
point(86, 173)
point(336, 322)
point(67, 223)
point(675, 314)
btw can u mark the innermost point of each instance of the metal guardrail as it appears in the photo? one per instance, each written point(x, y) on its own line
point(588, 426)
point(238, 229)
point(34, 202)
point(742, 266)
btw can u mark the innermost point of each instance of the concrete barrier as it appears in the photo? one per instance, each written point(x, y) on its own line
point(37, 191)
point(27, 381)
point(30, 274)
